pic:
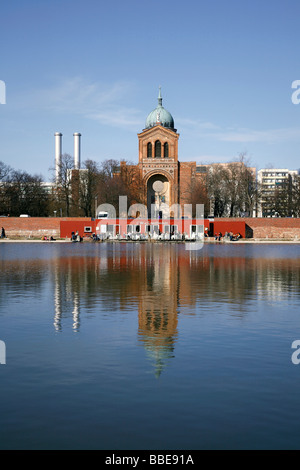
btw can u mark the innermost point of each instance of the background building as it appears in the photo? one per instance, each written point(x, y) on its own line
point(275, 189)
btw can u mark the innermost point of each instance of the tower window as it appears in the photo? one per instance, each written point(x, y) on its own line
point(166, 150)
point(157, 149)
point(149, 150)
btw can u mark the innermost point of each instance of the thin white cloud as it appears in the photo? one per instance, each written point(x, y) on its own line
point(91, 100)
point(108, 104)
point(269, 136)
point(195, 125)
point(242, 135)
point(118, 117)
point(206, 159)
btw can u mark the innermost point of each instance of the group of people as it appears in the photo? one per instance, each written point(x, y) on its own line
point(233, 237)
point(95, 237)
point(75, 237)
point(228, 236)
point(50, 239)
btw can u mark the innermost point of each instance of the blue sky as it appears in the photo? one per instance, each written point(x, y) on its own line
point(225, 67)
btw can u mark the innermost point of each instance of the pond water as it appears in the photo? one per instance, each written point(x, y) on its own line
point(149, 346)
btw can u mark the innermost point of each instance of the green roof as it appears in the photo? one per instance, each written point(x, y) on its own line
point(160, 116)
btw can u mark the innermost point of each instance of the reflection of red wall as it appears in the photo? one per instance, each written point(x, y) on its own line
point(228, 263)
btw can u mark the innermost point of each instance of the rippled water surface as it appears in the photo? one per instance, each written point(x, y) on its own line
point(149, 346)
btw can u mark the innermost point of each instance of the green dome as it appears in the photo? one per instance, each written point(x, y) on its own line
point(160, 116)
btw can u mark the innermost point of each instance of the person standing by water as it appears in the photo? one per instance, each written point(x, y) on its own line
point(3, 233)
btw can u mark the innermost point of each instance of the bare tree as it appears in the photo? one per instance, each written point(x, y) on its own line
point(295, 209)
point(232, 188)
point(64, 183)
point(249, 189)
point(110, 184)
point(88, 182)
point(199, 195)
point(5, 171)
point(24, 193)
point(216, 182)
point(133, 183)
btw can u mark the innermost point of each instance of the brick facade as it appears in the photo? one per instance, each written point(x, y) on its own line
point(179, 175)
point(271, 228)
point(187, 172)
point(152, 166)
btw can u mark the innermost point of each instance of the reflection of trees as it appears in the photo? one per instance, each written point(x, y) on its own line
point(230, 281)
point(22, 277)
point(278, 278)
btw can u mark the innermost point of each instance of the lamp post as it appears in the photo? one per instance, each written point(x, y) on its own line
point(96, 205)
point(211, 206)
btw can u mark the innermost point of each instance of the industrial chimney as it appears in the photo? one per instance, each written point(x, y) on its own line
point(77, 150)
point(58, 153)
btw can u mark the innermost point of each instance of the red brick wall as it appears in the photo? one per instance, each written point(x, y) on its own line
point(35, 226)
point(185, 178)
point(271, 227)
point(230, 225)
point(74, 225)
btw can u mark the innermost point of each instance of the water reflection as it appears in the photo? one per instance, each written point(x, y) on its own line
point(66, 296)
point(146, 280)
point(158, 305)
point(154, 283)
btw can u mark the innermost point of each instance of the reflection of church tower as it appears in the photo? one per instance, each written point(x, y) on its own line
point(158, 306)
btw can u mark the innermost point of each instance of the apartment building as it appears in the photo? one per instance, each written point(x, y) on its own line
point(270, 182)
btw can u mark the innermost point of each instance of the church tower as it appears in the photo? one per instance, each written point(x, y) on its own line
point(158, 158)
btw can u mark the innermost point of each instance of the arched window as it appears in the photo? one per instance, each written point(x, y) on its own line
point(157, 149)
point(149, 150)
point(166, 150)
